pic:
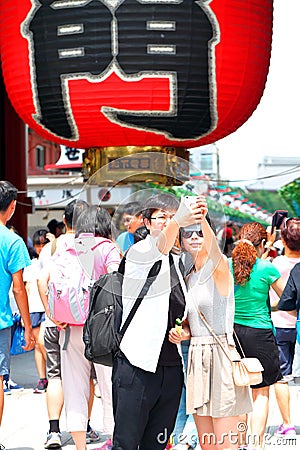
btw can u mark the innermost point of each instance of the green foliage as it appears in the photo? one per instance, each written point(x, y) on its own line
point(267, 200)
point(213, 205)
point(290, 193)
point(288, 198)
point(233, 214)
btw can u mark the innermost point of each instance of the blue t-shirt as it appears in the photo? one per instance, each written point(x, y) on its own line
point(125, 240)
point(13, 257)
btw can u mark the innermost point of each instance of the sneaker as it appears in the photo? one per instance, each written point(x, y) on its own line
point(285, 430)
point(41, 387)
point(6, 388)
point(14, 386)
point(106, 446)
point(92, 436)
point(53, 440)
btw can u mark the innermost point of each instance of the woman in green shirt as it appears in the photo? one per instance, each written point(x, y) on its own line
point(253, 277)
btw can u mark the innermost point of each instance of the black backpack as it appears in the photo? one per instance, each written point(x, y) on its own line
point(101, 332)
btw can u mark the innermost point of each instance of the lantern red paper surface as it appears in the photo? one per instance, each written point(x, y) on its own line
point(93, 73)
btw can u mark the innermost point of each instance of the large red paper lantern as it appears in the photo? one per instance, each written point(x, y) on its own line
point(139, 72)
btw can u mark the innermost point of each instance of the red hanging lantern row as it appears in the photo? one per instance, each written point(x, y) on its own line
point(179, 73)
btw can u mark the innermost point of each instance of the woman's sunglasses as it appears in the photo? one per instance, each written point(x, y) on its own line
point(188, 234)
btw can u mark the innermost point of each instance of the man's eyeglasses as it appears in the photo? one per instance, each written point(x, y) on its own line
point(162, 219)
point(188, 234)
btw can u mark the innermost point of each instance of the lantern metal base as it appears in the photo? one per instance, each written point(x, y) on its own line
point(108, 166)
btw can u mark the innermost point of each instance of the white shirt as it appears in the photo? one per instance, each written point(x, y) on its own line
point(31, 275)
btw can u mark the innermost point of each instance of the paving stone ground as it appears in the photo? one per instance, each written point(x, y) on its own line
point(25, 421)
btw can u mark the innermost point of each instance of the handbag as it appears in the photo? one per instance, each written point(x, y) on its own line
point(18, 341)
point(245, 371)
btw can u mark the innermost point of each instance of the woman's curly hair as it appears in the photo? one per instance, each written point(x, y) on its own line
point(244, 254)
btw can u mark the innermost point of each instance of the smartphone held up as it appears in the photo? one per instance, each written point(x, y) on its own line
point(277, 219)
point(190, 200)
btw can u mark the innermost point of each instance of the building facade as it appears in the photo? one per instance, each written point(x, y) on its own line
point(275, 172)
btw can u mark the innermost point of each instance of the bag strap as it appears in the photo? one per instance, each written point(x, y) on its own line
point(67, 337)
point(238, 341)
point(121, 268)
point(236, 287)
point(210, 329)
point(153, 272)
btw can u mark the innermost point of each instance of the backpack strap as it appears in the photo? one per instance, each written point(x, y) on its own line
point(102, 241)
point(121, 268)
point(67, 332)
point(153, 272)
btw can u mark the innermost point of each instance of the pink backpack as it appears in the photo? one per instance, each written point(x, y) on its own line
point(71, 279)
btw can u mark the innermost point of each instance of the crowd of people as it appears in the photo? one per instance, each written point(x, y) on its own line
point(170, 386)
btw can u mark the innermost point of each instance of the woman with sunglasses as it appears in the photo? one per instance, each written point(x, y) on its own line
point(253, 278)
point(212, 397)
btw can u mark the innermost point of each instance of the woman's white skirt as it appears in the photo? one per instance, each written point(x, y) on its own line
point(210, 389)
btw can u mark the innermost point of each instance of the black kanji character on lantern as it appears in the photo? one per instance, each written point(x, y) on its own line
point(68, 42)
point(176, 38)
point(72, 153)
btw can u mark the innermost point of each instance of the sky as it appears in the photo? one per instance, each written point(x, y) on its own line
point(274, 127)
